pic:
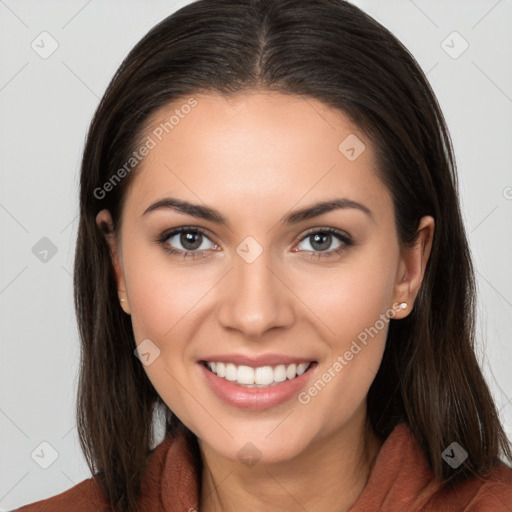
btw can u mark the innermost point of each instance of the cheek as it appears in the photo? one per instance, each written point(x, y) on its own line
point(165, 302)
point(163, 296)
point(351, 297)
point(355, 302)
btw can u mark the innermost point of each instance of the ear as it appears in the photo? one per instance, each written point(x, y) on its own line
point(411, 268)
point(104, 222)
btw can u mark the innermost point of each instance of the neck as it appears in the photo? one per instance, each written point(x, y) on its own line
point(329, 474)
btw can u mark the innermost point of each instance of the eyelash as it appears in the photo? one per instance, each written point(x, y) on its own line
point(342, 237)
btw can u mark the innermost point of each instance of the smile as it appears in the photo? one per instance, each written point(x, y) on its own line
point(257, 377)
point(257, 383)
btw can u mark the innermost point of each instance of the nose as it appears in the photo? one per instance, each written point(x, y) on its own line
point(255, 298)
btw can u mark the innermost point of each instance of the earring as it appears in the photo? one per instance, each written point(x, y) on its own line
point(122, 300)
point(403, 305)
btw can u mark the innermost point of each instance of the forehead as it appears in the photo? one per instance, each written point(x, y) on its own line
point(255, 148)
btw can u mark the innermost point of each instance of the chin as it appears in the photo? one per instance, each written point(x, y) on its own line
point(260, 446)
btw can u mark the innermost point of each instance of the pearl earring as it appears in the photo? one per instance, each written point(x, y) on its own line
point(403, 305)
point(122, 300)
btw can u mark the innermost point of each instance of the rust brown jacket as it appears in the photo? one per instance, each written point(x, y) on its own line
point(400, 481)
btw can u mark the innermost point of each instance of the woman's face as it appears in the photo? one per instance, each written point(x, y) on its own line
point(268, 286)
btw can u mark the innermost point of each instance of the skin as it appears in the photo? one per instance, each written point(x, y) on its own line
point(255, 158)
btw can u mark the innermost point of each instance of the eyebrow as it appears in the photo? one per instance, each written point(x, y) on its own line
point(207, 213)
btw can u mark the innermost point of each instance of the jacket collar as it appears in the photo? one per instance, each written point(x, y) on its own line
point(400, 475)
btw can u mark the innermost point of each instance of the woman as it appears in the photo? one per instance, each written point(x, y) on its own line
point(271, 252)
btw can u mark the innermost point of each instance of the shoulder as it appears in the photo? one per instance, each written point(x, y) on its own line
point(402, 480)
point(83, 497)
point(482, 493)
point(87, 496)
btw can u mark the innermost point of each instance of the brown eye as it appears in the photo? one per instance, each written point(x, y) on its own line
point(322, 240)
point(186, 241)
point(190, 240)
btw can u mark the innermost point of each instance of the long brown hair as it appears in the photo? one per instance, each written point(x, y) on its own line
point(332, 51)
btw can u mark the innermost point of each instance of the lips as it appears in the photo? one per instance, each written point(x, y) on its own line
point(256, 383)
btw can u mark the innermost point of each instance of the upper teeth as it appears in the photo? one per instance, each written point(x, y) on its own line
point(261, 375)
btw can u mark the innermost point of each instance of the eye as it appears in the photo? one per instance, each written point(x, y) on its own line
point(193, 242)
point(321, 239)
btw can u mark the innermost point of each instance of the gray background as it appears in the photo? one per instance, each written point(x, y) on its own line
point(46, 105)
